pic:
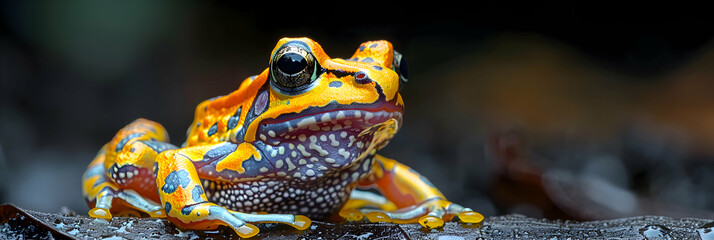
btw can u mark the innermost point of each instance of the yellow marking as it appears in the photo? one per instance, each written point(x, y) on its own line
point(409, 182)
point(149, 130)
point(91, 192)
point(195, 153)
point(400, 182)
point(234, 161)
point(400, 101)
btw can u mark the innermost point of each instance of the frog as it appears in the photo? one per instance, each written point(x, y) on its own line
point(294, 143)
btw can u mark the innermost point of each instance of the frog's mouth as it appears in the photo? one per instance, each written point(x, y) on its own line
point(313, 144)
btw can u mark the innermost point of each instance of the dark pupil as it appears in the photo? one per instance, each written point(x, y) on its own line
point(291, 63)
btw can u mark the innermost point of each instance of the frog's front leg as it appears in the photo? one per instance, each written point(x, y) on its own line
point(417, 199)
point(185, 201)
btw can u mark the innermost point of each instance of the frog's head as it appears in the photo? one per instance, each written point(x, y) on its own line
point(329, 113)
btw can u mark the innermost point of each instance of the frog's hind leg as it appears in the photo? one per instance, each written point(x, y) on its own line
point(121, 179)
point(417, 199)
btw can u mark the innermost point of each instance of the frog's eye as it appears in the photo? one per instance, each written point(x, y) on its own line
point(293, 67)
point(399, 66)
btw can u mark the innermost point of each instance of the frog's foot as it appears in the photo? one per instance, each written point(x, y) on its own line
point(360, 199)
point(207, 215)
point(430, 214)
point(103, 207)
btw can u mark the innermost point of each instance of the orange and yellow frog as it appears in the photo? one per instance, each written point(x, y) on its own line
point(294, 143)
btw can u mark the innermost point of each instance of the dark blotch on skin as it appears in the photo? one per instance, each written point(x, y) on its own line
point(167, 207)
point(378, 68)
point(373, 45)
point(367, 60)
point(213, 129)
point(340, 73)
point(126, 139)
point(335, 84)
point(361, 48)
point(175, 179)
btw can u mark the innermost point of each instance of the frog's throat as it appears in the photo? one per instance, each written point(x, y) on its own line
point(317, 144)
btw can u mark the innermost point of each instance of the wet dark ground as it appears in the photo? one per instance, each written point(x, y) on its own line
point(23, 224)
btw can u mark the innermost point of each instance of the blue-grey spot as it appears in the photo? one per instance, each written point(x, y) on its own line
point(175, 179)
point(367, 60)
point(219, 152)
point(335, 84)
point(196, 193)
point(213, 129)
point(167, 207)
point(159, 146)
point(378, 68)
point(187, 209)
point(373, 45)
point(126, 139)
point(233, 120)
point(361, 48)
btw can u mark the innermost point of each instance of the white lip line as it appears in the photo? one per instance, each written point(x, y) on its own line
point(319, 118)
point(338, 111)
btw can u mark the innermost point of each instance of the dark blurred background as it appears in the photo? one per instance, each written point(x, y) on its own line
point(548, 110)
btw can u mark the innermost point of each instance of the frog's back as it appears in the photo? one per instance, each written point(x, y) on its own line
point(222, 118)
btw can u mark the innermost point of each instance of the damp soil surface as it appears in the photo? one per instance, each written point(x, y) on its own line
point(17, 223)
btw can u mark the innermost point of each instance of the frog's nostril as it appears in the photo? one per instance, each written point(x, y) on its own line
point(362, 78)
